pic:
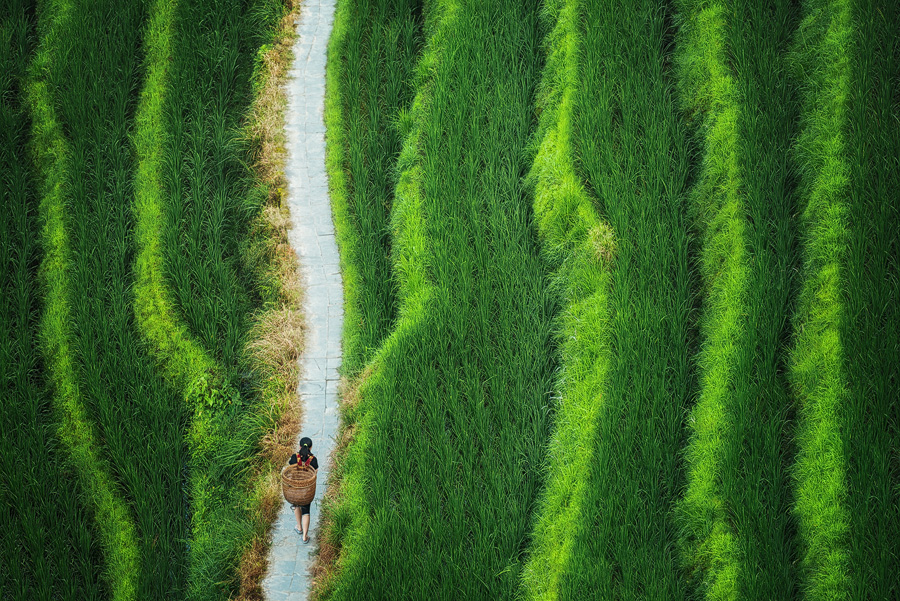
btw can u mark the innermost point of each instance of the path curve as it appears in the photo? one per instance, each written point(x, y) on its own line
point(312, 236)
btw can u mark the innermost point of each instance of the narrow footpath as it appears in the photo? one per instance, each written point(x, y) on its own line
point(312, 237)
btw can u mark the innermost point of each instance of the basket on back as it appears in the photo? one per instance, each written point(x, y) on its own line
point(298, 483)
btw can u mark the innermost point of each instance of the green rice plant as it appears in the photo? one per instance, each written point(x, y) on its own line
point(737, 537)
point(373, 50)
point(580, 248)
point(870, 417)
point(181, 358)
point(818, 366)
point(196, 200)
point(92, 80)
point(52, 156)
point(209, 192)
point(44, 505)
point(441, 476)
point(629, 148)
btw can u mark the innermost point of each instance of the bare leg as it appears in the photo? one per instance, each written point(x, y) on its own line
point(305, 526)
point(297, 515)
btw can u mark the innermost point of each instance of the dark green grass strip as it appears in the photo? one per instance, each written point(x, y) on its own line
point(631, 150)
point(211, 196)
point(194, 202)
point(738, 533)
point(373, 51)
point(442, 475)
point(54, 160)
point(818, 361)
point(93, 79)
point(48, 545)
point(871, 296)
point(756, 476)
point(579, 247)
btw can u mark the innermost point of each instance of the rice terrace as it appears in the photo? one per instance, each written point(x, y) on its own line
point(439, 300)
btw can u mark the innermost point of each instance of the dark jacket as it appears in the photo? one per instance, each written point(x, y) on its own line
point(314, 463)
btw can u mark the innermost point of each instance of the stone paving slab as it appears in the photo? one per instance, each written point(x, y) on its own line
point(312, 236)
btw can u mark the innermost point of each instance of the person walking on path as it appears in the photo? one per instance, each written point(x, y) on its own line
point(301, 512)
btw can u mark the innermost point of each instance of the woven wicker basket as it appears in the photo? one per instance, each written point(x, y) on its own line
point(298, 483)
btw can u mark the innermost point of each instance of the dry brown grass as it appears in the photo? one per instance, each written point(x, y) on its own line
point(277, 343)
point(603, 242)
point(278, 334)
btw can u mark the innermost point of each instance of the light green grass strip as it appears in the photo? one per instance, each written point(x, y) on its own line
point(817, 362)
point(51, 153)
point(569, 227)
point(181, 358)
point(710, 547)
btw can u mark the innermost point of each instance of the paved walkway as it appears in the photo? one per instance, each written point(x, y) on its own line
point(312, 237)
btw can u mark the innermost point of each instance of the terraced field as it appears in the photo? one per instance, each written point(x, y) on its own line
point(117, 424)
point(621, 299)
point(471, 297)
point(37, 473)
point(690, 181)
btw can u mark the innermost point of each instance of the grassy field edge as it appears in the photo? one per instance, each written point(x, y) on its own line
point(817, 360)
point(578, 244)
point(251, 504)
point(346, 233)
point(344, 517)
point(277, 335)
point(50, 151)
point(710, 547)
point(347, 238)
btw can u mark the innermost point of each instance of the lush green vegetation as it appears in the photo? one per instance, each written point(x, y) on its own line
point(441, 477)
point(666, 203)
point(870, 417)
point(621, 299)
point(196, 200)
point(580, 248)
point(370, 89)
point(118, 410)
point(631, 150)
point(818, 363)
point(370, 80)
point(164, 458)
point(733, 80)
point(48, 547)
point(181, 357)
point(209, 192)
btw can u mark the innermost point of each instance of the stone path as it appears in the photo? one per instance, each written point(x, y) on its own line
point(312, 237)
